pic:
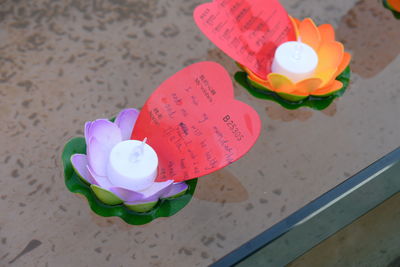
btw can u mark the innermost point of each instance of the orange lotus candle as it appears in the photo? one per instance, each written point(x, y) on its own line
point(284, 59)
point(332, 61)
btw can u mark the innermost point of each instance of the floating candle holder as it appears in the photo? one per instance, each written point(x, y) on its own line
point(85, 161)
point(328, 81)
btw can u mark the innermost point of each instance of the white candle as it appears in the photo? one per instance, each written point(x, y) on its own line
point(295, 60)
point(132, 165)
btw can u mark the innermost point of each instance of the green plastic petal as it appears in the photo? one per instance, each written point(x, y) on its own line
point(292, 97)
point(144, 207)
point(105, 196)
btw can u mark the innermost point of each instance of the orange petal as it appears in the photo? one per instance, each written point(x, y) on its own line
point(345, 62)
point(326, 75)
point(280, 83)
point(395, 4)
point(308, 85)
point(327, 33)
point(296, 24)
point(332, 87)
point(329, 56)
point(260, 81)
point(309, 33)
point(295, 21)
point(250, 73)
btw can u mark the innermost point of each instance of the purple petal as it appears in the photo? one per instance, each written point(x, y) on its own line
point(156, 189)
point(127, 195)
point(101, 181)
point(97, 154)
point(150, 194)
point(175, 189)
point(79, 162)
point(125, 120)
point(88, 124)
point(105, 132)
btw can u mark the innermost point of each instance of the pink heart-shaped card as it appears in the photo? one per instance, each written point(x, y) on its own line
point(194, 123)
point(247, 31)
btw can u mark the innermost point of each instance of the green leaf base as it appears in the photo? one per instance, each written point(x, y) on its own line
point(396, 14)
point(163, 208)
point(318, 103)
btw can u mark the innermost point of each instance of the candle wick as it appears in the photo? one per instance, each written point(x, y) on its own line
point(298, 50)
point(137, 152)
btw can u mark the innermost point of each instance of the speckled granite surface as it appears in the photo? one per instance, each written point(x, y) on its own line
point(65, 62)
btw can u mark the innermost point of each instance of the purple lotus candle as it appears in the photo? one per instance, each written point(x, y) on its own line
point(120, 170)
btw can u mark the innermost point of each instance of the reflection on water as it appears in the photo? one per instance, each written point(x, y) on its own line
point(372, 35)
point(277, 112)
point(331, 110)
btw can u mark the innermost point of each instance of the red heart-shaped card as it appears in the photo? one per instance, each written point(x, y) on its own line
point(247, 31)
point(194, 123)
